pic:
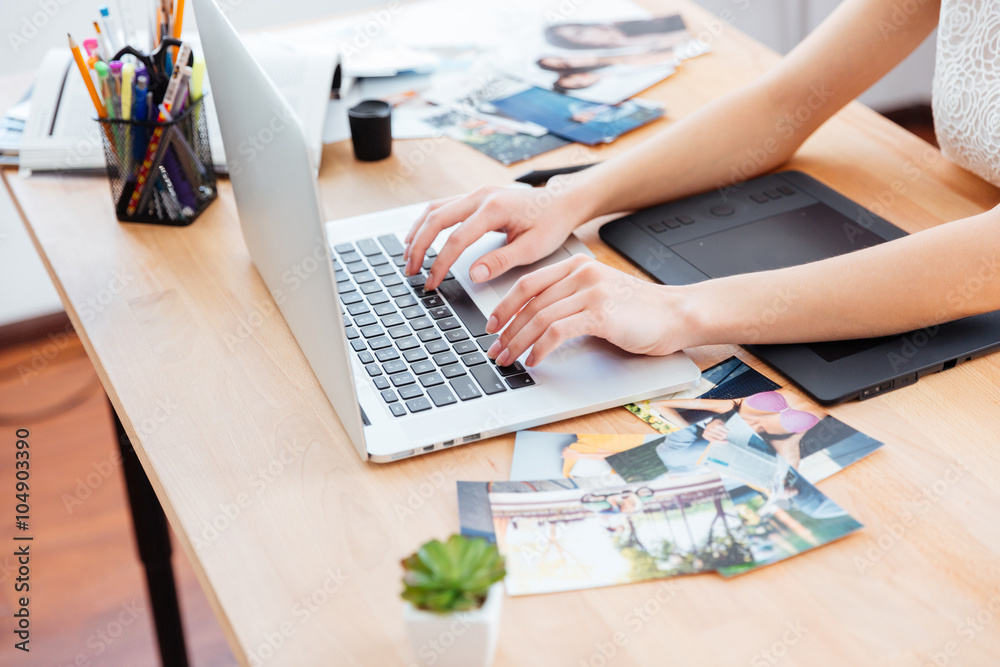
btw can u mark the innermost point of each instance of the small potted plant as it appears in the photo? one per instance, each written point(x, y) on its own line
point(453, 595)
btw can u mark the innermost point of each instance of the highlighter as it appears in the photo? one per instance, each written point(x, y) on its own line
point(102, 82)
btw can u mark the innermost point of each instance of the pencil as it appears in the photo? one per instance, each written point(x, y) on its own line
point(178, 22)
point(85, 73)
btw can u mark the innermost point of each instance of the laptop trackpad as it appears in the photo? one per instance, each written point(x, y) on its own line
point(487, 295)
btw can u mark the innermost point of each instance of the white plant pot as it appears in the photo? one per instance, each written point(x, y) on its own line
point(462, 639)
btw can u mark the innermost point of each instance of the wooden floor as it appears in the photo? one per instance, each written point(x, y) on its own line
point(88, 603)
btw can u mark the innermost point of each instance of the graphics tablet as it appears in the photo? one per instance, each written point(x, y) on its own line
point(787, 219)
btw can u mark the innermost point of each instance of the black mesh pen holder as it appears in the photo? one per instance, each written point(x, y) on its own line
point(160, 173)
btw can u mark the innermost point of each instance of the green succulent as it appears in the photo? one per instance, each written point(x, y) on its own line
point(456, 575)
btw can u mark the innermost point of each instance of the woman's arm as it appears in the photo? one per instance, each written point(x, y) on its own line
point(740, 135)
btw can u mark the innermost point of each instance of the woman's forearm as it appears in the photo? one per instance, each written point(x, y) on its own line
point(938, 275)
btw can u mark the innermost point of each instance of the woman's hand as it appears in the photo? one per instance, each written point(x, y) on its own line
point(536, 222)
point(716, 431)
point(582, 296)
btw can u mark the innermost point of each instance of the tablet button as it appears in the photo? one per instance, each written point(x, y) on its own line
point(684, 220)
point(785, 190)
point(722, 210)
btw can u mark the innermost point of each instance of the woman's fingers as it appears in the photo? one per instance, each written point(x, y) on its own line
point(535, 314)
point(533, 329)
point(579, 324)
point(530, 286)
point(431, 207)
point(485, 218)
point(437, 220)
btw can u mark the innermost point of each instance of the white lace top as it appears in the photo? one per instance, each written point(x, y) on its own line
point(967, 86)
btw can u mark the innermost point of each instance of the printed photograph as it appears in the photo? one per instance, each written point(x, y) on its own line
point(540, 455)
point(501, 143)
point(813, 442)
point(585, 536)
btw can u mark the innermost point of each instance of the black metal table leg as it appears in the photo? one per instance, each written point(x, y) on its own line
point(153, 539)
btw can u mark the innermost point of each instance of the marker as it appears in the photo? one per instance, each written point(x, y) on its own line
point(149, 107)
point(115, 73)
point(90, 46)
point(173, 86)
point(197, 77)
point(103, 81)
point(85, 73)
point(128, 76)
point(182, 86)
point(108, 30)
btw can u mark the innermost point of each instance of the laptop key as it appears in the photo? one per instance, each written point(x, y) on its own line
point(381, 382)
point(392, 320)
point(433, 301)
point(399, 261)
point(439, 313)
point(407, 343)
point(370, 288)
point(421, 293)
point(365, 320)
point(392, 281)
point(398, 290)
point(352, 333)
point(431, 379)
point(379, 342)
point(347, 299)
point(366, 357)
point(358, 344)
point(386, 354)
point(421, 323)
point(384, 309)
point(399, 331)
point(397, 409)
point(428, 335)
point(441, 396)
point(465, 347)
point(487, 379)
point(391, 244)
point(448, 323)
point(474, 359)
point(465, 388)
point(456, 335)
point(445, 358)
point(345, 287)
point(519, 381)
point(343, 247)
point(346, 320)
point(356, 267)
point(410, 391)
point(417, 280)
point(371, 331)
point(437, 346)
point(464, 306)
point(393, 367)
point(512, 369)
point(341, 276)
point(414, 355)
point(412, 312)
point(363, 277)
point(357, 308)
point(407, 301)
point(401, 379)
point(418, 405)
point(385, 270)
point(389, 396)
point(379, 260)
point(369, 247)
point(350, 256)
point(373, 370)
point(422, 367)
point(453, 370)
point(377, 298)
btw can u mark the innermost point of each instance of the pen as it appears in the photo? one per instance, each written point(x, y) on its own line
point(149, 107)
point(128, 76)
point(182, 95)
point(197, 77)
point(102, 80)
point(105, 49)
point(540, 177)
point(85, 73)
point(115, 83)
point(108, 30)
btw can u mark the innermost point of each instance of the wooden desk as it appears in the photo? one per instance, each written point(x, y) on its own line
point(297, 542)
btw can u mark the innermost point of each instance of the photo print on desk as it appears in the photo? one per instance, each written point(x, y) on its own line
point(813, 442)
point(563, 535)
point(543, 455)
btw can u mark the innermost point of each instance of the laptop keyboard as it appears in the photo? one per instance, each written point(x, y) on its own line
point(421, 349)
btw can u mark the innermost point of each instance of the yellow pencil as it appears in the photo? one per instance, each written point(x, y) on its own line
point(178, 22)
point(85, 73)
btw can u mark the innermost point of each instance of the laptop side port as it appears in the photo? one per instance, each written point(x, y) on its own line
point(471, 438)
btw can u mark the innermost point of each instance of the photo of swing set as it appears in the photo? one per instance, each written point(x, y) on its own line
point(571, 534)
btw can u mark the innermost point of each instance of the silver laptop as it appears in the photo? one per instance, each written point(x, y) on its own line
point(405, 369)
